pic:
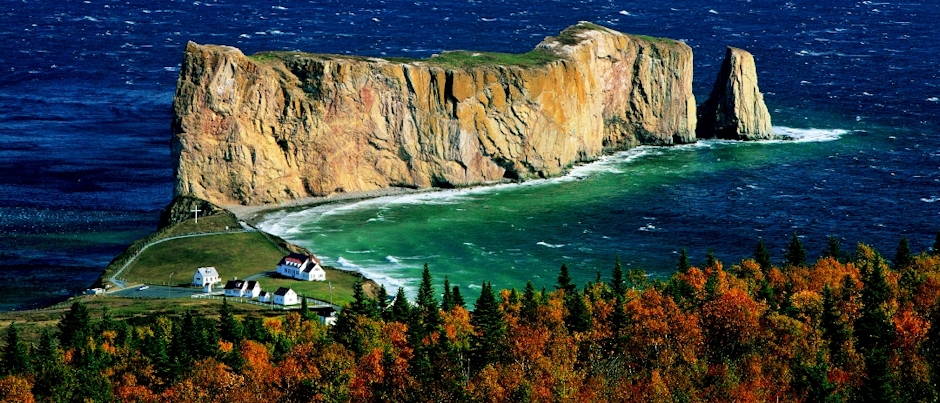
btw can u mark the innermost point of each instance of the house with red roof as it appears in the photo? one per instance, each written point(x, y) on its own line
point(301, 267)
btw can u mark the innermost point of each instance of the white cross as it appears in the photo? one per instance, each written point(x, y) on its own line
point(196, 210)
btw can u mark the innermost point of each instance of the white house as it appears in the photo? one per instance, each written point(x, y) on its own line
point(301, 267)
point(264, 296)
point(327, 315)
point(285, 296)
point(242, 289)
point(206, 275)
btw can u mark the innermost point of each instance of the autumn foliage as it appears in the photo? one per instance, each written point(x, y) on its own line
point(839, 330)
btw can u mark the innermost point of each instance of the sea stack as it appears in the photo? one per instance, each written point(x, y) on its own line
point(279, 126)
point(735, 110)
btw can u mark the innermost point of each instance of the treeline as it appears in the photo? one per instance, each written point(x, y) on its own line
point(844, 329)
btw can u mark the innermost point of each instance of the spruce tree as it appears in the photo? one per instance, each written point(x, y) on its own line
point(458, 299)
point(230, 328)
point(75, 326)
point(684, 264)
point(361, 304)
point(530, 303)
point(902, 257)
point(488, 344)
point(578, 318)
point(564, 280)
point(429, 314)
point(874, 333)
point(710, 260)
point(447, 301)
point(617, 284)
point(762, 256)
point(835, 331)
point(795, 255)
point(401, 309)
point(15, 360)
point(381, 301)
point(833, 249)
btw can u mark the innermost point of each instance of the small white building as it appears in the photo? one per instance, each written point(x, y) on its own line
point(265, 297)
point(285, 296)
point(206, 275)
point(242, 289)
point(301, 267)
point(327, 315)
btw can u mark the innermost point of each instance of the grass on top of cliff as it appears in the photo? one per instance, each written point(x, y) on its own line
point(466, 59)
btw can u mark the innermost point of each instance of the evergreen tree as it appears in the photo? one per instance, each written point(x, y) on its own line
point(636, 279)
point(488, 344)
point(762, 256)
point(156, 347)
point(254, 329)
point(617, 284)
point(447, 301)
point(230, 328)
point(15, 360)
point(577, 318)
point(795, 255)
point(710, 260)
point(305, 314)
point(874, 333)
point(428, 311)
point(458, 299)
point(75, 326)
point(530, 303)
point(362, 304)
point(381, 301)
point(52, 377)
point(833, 249)
point(401, 309)
point(903, 258)
point(684, 264)
point(835, 331)
point(564, 280)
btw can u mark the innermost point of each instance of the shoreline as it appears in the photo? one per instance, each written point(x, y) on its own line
point(252, 215)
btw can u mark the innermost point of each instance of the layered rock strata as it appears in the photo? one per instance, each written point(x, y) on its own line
point(280, 126)
point(735, 110)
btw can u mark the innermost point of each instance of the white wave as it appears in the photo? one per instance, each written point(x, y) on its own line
point(808, 135)
point(550, 245)
point(625, 12)
point(930, 200)
point(392, 259)
point(713, 11)
point(358, 252)
point(279, 7)
point(933, 99)
point(347, 264)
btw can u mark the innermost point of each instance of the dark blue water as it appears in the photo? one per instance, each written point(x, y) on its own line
point(87, 86)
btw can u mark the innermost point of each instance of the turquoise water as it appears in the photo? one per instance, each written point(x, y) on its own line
point(643, 205)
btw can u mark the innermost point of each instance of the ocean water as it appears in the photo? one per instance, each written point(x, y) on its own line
point(85, 128)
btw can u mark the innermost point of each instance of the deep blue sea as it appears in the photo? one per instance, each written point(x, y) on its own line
point(87, 86)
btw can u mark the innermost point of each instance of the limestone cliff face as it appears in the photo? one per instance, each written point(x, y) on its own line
point(281, 126)
point(735, 110)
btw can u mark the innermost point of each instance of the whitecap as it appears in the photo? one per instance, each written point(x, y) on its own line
point(347, 264)
point(625, 12)
point(808, 135)
point(930, 200)
point(279, 7)
point(358, 251)
point(488, 19)
point(392, 259)
point(933, 99)
point(713, 11)
point(550, 245)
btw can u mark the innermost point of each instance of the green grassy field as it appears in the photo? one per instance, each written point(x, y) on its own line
point(342, 286)
point(233, 255)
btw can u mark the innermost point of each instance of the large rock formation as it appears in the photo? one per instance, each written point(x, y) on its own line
point(735, 110)
point(279, 126)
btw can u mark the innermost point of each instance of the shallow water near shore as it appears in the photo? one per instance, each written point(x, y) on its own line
point(642, 205)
